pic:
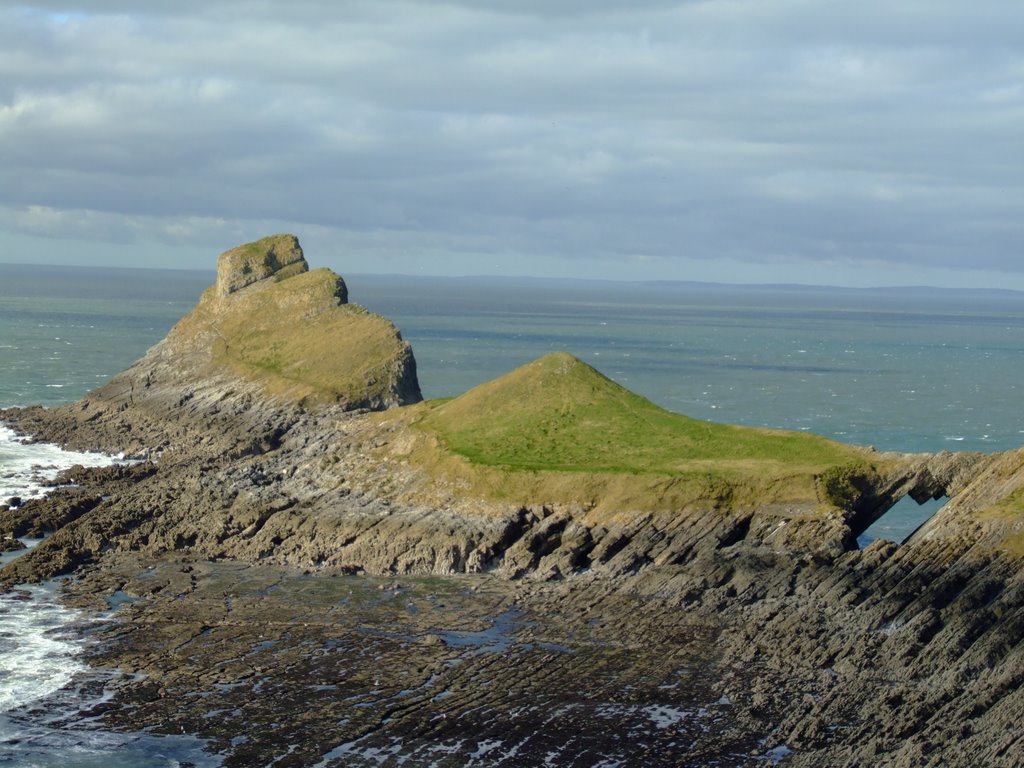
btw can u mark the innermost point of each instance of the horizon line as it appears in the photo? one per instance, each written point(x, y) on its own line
point(552, 279)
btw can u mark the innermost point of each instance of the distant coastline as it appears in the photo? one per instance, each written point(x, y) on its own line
point(186, 276)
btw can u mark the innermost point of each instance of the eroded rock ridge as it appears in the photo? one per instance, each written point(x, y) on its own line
point(262, 470)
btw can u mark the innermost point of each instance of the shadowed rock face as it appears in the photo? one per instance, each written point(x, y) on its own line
point(704, 635)
point(278, 255)
point(921, 478)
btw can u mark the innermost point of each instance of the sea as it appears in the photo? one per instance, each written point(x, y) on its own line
point(901, 369)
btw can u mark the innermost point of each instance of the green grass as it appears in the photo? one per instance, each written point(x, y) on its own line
point(1009, 512)
point(556, 429)
point(558, 413)
point(255, 254)
point(257, 250)
point(298, 340)
point(1010, 508)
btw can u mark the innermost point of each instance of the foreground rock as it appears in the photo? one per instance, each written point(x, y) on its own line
point(650, 621)
point(11, 545)
point(270, 663)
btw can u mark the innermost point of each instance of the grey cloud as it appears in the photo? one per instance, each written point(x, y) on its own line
point(757, 130)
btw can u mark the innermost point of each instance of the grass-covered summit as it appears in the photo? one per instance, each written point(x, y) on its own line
point(559, 413)
point(559, 422)
point(291, 330)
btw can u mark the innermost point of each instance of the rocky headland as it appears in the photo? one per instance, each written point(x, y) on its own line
point(312, 566)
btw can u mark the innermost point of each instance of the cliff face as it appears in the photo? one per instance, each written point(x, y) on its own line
point(272, 322)
point(277, 257)
point(267, 342)
point(557, 481)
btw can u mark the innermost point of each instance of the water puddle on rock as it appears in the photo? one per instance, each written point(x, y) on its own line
point(497, 638)
point(11, 555)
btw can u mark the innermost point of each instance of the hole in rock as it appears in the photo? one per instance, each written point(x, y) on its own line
point(901, 520)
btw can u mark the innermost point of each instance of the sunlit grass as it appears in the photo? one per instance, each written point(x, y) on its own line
point(295, 338)
point(558, 413)
point(558, 427)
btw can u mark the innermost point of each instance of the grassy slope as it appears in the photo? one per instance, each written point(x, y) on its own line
point(293, 337)
point(559, 427)
point(1003, 504)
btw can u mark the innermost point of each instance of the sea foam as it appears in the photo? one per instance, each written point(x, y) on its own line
point(37, 655)
point(27, 469)
point(47, 692)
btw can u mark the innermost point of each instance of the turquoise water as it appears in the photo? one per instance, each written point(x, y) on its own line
point(910, 371)
point(902, 370)
point(64, 331)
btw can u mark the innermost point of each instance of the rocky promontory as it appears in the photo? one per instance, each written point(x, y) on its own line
point(548, 567)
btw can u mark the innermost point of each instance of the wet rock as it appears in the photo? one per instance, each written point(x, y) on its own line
point(11, 545)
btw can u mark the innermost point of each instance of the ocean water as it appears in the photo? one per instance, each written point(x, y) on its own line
point(66, 330)
point(25, 470)
point(46, 693)
point(63, 332)
point(906, 370)
point(899, 369)
point(910, 370)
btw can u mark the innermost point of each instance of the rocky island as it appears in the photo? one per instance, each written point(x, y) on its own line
point(313, 566)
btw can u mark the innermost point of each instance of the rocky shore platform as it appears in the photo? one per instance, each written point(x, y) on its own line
point(306, 565)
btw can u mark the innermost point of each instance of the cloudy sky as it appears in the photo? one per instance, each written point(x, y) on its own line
point(878, 142)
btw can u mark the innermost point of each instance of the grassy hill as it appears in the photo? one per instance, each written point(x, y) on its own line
point(558, 426)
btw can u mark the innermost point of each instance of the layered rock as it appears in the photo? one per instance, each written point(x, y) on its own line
point(278, 257)
point(253, 409)
point(268, 341)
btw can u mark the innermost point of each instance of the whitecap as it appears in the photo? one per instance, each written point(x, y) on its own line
point(37, 657)
point(27, 469)
point(46, 691)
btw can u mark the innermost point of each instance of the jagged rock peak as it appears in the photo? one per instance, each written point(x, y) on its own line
point(277, 257)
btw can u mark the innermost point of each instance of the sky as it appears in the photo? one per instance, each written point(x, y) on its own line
point(878, 142)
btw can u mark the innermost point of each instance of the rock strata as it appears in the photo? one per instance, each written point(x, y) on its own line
point(304, 582)
point(278, 256)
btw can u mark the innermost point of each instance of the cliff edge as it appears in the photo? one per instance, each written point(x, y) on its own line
point(271, 320)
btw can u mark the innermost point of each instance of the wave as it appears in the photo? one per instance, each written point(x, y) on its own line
point(47, 691)
point(37, 657)
point(27, 470)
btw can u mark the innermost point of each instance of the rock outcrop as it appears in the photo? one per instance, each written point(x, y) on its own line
point(277, 256)
point(269, 341)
